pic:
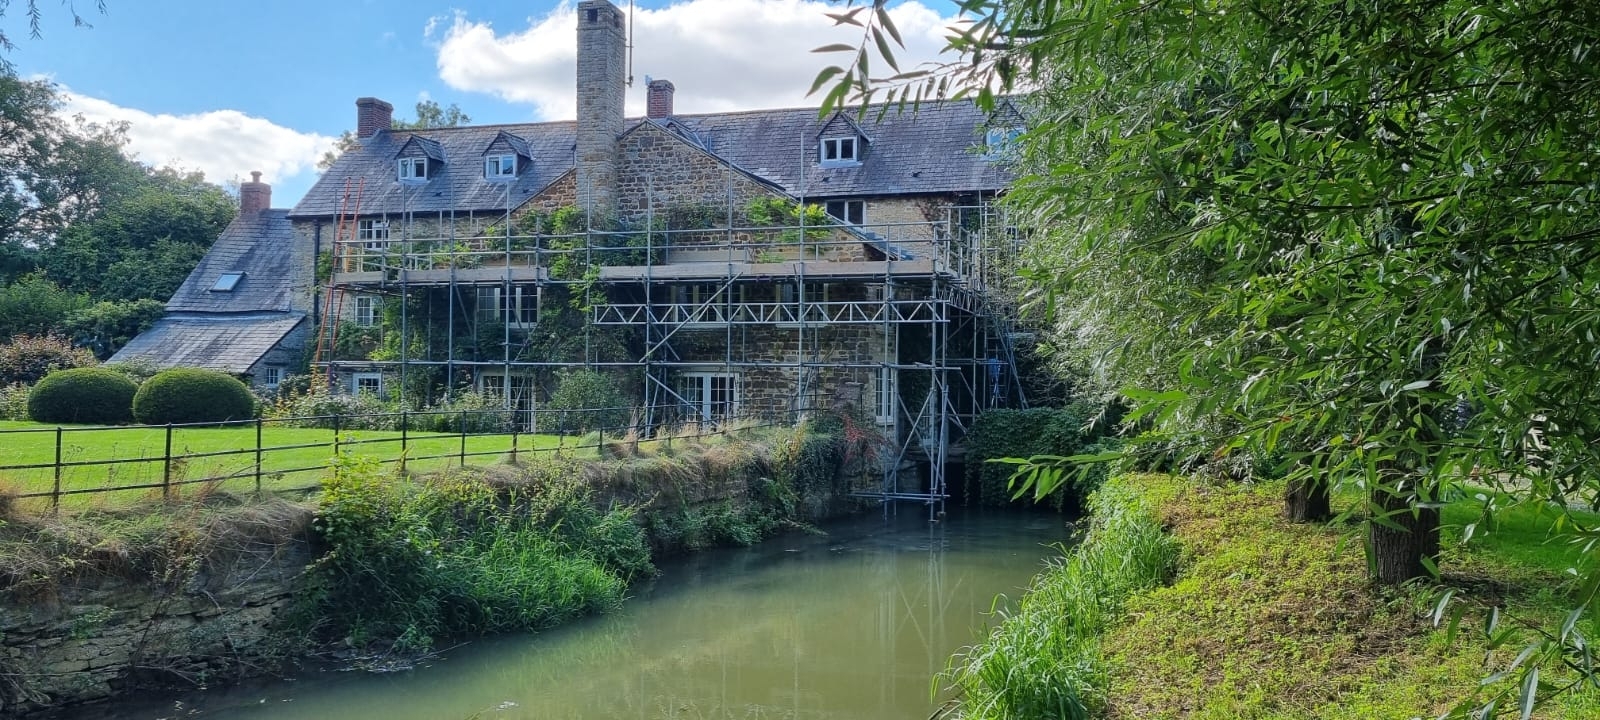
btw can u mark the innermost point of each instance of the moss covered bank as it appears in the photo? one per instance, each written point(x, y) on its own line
point(1194, 600)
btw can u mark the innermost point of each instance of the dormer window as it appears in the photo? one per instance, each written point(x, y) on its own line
point(499, 167)
point(841, 151)
point(227, 281)
point(413, 168)
point(999, 141)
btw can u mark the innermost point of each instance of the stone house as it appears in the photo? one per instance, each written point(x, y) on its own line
point(755, 263)
point(245, 309)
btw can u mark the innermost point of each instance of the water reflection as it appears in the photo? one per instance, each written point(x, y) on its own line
point(853, 624)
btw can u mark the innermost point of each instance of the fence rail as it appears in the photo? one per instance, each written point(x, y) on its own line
point(274, 454)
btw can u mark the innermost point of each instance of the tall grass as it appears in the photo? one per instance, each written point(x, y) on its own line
point(1043, 661)
point(410, 563)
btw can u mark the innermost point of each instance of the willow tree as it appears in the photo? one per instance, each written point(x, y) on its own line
point(1378, 224)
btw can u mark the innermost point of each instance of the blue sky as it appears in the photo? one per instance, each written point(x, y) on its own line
point(229, 87)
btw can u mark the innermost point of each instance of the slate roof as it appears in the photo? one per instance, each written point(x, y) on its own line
point(259, 245)
point(459, 185)
point(934, 149)
point(230, 343)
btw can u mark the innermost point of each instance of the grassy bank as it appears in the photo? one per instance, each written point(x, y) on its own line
point(408, 559)
point(1044, 661)
point(1266, 619)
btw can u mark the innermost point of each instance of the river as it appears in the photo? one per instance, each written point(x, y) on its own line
point(851, 624)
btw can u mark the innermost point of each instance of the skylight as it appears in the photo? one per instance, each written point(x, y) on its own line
point(227, 282)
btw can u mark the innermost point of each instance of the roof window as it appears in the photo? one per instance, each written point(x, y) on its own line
point(499, 167)
point(227, 281)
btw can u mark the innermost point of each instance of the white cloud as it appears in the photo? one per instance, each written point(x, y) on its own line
point(224, 144)
point(720, 54)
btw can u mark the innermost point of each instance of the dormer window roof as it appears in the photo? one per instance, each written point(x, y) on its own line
point(419, 159)
point(841, 143)
point(505, 156)
point(1000, 130)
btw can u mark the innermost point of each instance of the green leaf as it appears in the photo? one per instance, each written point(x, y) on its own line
point(835, 47)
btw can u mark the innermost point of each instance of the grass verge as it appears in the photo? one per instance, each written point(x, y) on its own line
point(1044, 660)
point(1274, 620)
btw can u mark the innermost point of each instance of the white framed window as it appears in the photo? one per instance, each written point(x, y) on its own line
point(841, 151)
point(370, 383)
point(500, 167)
point(850, 212)
point(366, 311)
point(271, 375)
point(374, 237)
point(709, 396)
point(696, 293)
point(999, 141)
point(372, 231)
point(884, 397)
point(227, 281)
point(517, 307)
point(414, 168)
point(516, 390)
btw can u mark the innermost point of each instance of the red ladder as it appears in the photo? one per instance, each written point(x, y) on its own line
point(344, 239)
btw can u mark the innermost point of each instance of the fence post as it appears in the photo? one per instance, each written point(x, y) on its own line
point(463, 423)
point(404, 425)
point(336, 425)
point(258, 456)
point(513, 442)
point(55, 494)
point(166, 466)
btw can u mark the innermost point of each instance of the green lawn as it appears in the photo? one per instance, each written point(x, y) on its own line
point(290, 458)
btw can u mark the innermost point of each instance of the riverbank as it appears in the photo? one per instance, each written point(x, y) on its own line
point(212, 586)
point(1263, 618)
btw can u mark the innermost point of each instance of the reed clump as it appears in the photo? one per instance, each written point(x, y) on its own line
point(1043, 660)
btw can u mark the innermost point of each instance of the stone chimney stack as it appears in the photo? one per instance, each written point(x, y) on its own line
point(659, 104)
point(254, 195)
point(372, 116)
point(602, 74)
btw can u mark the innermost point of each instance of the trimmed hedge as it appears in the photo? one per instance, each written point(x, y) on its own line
point(192, 395)
point(82, 395)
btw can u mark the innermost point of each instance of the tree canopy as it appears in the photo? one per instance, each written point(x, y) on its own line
point(1362, 237)
point(92, 242)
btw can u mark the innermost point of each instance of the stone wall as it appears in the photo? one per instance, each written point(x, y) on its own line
point(95, 637)
point(769, 358)
point(657, 164)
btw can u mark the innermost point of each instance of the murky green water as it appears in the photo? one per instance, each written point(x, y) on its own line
point(854, 624)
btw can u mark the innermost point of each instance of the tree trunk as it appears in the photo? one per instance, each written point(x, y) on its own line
point(1307, 501)
point(1397, 554)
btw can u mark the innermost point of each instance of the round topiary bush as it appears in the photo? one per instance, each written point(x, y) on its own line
point(82, 395)
point(192, 395)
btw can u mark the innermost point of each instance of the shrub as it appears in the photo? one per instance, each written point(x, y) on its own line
point(476, 412)
point(82, 395)
point(28, 358)
point(192, 395)
point(138, 369)
point(1070, 430)
point(591, 401)
point(14, 401)
point(319, 407)
point(455, 556)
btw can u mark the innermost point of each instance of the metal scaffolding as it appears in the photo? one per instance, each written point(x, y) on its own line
point(907, 324)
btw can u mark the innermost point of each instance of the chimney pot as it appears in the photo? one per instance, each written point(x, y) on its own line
point(373, 116)
point(254, 196)
point(659, 102)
